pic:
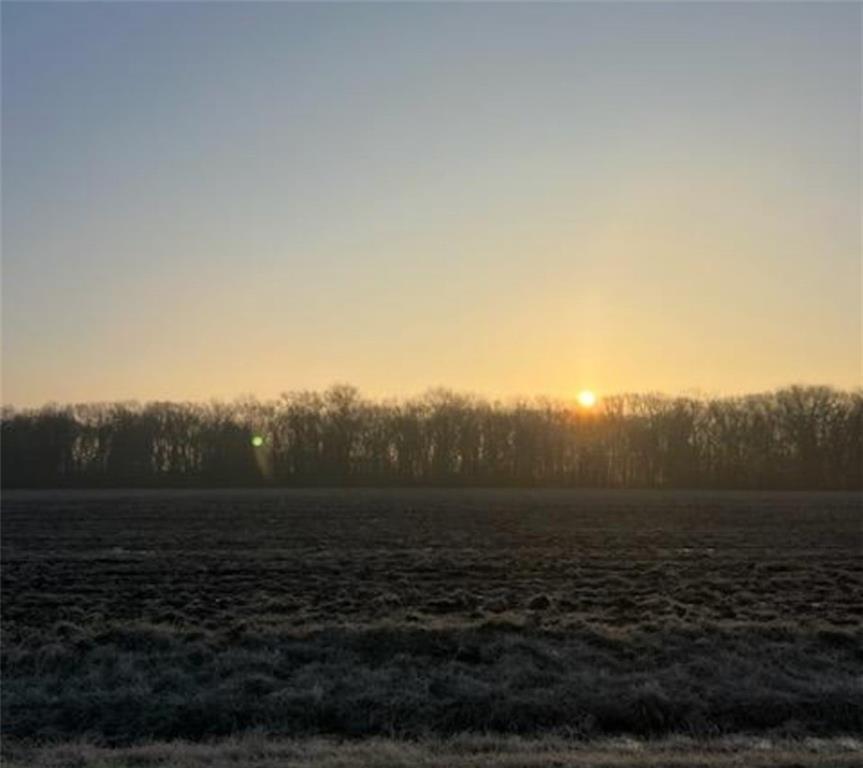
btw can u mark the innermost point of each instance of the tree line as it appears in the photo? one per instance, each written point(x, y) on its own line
point(793, 438)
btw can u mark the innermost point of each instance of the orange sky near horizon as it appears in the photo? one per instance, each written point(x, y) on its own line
point(497, 199)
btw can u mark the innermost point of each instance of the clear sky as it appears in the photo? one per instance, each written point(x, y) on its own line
point(218, 199)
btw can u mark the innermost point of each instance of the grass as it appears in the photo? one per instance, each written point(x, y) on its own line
point(409, 620)
point(134, 682)
point(459, 752)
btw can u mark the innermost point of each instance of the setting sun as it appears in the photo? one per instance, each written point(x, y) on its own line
point(586, 398)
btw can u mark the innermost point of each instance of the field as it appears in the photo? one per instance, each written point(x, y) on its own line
point(431, 620)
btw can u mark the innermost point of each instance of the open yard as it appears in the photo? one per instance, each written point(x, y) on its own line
point(572, 617)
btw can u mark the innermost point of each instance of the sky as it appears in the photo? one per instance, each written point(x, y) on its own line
point(222, 199)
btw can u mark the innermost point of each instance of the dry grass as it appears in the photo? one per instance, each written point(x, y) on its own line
point(459, 752)
point(133, 682)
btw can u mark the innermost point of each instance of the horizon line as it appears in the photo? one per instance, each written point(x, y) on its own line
point(693, 394)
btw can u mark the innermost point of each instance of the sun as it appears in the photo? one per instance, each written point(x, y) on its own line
point(586, 398)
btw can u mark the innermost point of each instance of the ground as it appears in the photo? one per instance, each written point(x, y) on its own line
point(553, 624)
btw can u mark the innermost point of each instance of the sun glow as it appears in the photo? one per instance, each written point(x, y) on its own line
point(586, 398)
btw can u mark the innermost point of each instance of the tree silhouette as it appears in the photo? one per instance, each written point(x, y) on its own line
point(794, 438)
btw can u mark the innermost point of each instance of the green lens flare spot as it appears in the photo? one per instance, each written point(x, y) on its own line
point(257, 441)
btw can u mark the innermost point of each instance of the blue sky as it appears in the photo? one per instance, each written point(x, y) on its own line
point(213, 199)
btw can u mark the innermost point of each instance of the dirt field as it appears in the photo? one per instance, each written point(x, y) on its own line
point(137, 616)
